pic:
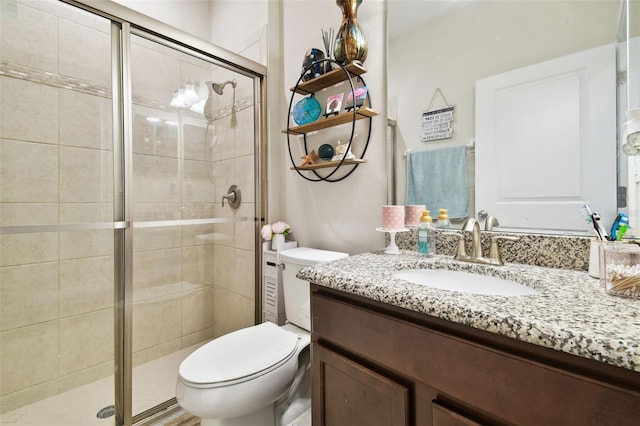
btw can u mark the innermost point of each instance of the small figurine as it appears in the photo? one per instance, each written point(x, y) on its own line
point(342, 152)
point(309, 159)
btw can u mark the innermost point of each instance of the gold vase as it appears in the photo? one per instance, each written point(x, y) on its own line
point(350, 44)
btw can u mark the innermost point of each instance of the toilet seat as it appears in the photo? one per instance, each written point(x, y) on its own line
point(239, 356)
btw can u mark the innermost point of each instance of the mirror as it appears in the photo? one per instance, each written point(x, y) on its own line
point(449, 45)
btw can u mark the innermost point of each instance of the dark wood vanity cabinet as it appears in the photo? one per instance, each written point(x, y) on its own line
point(375, 364)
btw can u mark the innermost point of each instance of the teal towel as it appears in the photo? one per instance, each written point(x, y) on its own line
point(438, 179)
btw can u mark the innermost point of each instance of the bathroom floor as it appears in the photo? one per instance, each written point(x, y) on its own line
point(154, 382)
point(182, 419)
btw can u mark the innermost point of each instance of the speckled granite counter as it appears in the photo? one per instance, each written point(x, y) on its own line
point(570, 314)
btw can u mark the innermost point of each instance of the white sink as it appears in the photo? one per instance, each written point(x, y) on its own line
point(464, 282)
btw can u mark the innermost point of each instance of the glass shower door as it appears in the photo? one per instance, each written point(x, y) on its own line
point(56, 215)
point(193, 257)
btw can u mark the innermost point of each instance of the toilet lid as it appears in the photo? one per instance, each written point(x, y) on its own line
point(239, 354)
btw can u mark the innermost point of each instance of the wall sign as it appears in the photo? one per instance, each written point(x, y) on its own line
point(437, 123)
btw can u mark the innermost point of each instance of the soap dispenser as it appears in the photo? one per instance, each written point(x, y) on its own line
point(426, 238)
point(443, 220)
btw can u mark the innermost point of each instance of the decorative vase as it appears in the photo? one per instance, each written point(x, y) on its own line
point(277, 241)
point(350, 44)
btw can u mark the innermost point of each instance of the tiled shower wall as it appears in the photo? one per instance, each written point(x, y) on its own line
point(191, 282)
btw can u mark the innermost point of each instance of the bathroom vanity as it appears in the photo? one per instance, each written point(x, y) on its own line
point(389, 352)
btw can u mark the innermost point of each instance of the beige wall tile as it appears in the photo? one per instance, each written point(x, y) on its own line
point(154, 352)
point(155, 133)
point(224, 136)
point(199, 337)
point(86, 376)
point(223, 174)
point(29, 356)
point(244, 142)
point(28, 111)
point(196, 306)
point(86, 340)
point(86, 175)
point(201, 234)
point(85, 53)
point(29, 38)
point(245, 274)
point(157, 274)
point(245, 230)
point(28, 395)
point(78, 244)
point(231, 311)
point(86, 285)
point(146, 239)
point(85, 120)
point(28, 172)
point(198, 141)
point(224, 266)
point(156, 211)
point(197, 185)
point(155, 179)
point(86, 212)
point(197, 266)
point(156, 321)
point(154, 74)
point(29, 294)
point(26, 214)
point(244, 172)
point(20, 249)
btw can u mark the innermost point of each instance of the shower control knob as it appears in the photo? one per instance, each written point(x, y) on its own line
point(233, 196)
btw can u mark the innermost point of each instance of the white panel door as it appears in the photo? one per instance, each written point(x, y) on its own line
point(546, 141)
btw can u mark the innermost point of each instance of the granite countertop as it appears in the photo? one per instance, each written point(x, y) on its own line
point(571, 313)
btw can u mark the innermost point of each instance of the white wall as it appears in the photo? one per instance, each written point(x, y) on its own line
point(342, 215)
point(191, 16)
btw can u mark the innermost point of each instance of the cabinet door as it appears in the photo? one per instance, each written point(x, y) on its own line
point(442, 416)
point(347, 393)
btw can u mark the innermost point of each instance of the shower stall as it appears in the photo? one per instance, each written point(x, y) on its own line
point(120, 248)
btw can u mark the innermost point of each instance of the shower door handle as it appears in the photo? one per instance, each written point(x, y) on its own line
point(233, 196)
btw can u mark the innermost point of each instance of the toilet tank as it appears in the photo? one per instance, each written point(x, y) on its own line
point(296, 292)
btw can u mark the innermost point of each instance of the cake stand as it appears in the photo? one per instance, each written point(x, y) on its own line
point(392, 248)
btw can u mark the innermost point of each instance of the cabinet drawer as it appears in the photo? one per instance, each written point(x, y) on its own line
point(270, 265)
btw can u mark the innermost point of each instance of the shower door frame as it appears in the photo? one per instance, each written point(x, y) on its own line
point(124, 23)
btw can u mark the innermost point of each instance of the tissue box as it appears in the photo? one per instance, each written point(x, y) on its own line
point(621, 273)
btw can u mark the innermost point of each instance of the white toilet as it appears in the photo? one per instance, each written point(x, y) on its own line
point(251, 376)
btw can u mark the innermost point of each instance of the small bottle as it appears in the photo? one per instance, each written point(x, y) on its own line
point(443, 220)
point(425, 236)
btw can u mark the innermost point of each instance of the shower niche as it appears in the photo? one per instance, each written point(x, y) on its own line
point(315, 134)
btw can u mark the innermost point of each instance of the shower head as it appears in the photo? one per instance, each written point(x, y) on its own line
point(219, 87)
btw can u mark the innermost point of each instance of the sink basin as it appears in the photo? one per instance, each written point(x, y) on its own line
point(464, 282)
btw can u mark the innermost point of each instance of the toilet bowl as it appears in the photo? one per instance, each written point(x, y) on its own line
point(252, 375)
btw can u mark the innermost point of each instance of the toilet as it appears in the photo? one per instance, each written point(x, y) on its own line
point(257, 374)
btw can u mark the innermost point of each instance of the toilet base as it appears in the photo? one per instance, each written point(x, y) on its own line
point(263, 417)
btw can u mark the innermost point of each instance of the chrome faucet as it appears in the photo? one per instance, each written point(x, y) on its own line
point(472, 225)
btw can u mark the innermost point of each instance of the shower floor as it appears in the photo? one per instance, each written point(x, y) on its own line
point(153, 383)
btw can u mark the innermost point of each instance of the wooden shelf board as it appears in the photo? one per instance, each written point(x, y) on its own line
point(328, 79)
point(334, 120)
point(327, 164)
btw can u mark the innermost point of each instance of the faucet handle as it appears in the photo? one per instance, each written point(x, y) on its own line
point(494, 251)
point(460, 250)
point(490, 223)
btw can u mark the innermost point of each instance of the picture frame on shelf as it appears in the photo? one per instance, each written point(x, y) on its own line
point(334, 104)
point(358, 100)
